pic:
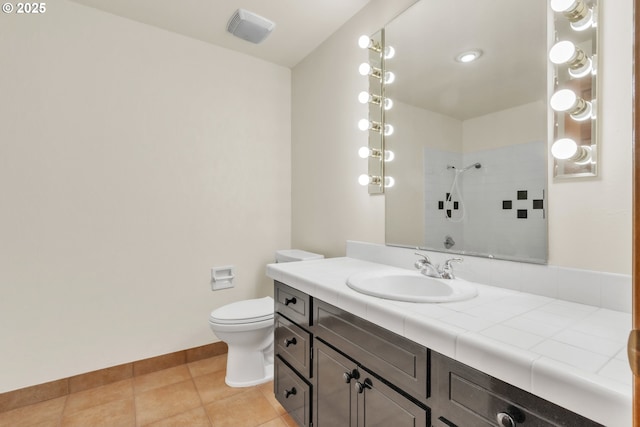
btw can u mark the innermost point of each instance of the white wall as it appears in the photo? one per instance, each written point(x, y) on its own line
point(589, 219)
point(328, 205)
point(131, 161)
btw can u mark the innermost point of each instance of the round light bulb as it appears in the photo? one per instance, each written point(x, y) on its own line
point(389, 52)
point(364, 179)
point(564, 148)
point(364, 42)
point(389, 77)
point(364, 152)
point(389, 181)
point(364, 69)
point(563, 100)
point(364, 97)
point(388, 103)
point(388, 130)
point(563, 5)
point(364, 124)
point(389, 155)
point(562, 52)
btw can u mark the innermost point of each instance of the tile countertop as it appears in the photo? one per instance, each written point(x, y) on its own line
point(571, 354)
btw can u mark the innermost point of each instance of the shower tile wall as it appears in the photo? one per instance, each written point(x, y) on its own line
point(504, 201)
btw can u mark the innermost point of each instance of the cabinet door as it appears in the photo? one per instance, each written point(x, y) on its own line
point(335, 398)
point(381, 406)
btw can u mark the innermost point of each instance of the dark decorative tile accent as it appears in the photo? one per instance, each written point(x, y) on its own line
point(507, 204)
point(455, 205)
point(448, 196)
point(448, 213)
point(538, 204)
point(440, 205)
point(522, 213)
point(522, 195)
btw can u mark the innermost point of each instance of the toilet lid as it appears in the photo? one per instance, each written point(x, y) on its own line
point(247, 311)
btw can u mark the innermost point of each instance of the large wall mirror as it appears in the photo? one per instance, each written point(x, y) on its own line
point(471, 134)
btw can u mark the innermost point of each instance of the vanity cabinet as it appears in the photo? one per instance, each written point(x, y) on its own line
point(333, 368)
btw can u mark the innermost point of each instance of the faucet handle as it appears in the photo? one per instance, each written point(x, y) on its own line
point(421, 263)
point(447, 268)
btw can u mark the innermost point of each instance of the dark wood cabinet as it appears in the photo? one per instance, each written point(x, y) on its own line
point(349, 395)
point(333, 368)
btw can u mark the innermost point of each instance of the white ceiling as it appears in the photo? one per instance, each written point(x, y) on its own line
point(301, 25)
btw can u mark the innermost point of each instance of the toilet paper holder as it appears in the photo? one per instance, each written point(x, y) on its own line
point(222, 277)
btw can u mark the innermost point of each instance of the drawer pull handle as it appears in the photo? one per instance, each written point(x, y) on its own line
point(292, 341)
point(348, 376)
point(288, 301)
point(362, 386)
point(505, 420)
point(291, 392)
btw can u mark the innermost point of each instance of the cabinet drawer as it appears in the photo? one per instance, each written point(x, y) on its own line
point(293, 304)
point(294, 345)
point(486, 398)
point(293, 393)
point(397, 359)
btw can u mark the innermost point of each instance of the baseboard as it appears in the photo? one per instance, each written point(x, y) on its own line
point(51, 390)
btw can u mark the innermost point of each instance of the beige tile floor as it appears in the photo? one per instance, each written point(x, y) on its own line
point(191, 395)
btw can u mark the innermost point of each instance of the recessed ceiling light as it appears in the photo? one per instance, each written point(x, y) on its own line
point(469, 55)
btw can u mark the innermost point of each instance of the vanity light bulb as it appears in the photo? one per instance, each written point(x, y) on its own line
point(389, 182)
point(389, 156)
point(364, 42)
point(364, 69)
point(364, 179)
point(388, 103)
point(388, 130)
point(565, 52)
point(364, 124)
point(566, 101)
point(389, 52)
point(578, 13)
point(564, 148)
point(389, 77)
point(364, 97)
point(364, 152)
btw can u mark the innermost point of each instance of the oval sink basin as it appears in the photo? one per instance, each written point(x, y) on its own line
point(411, 286)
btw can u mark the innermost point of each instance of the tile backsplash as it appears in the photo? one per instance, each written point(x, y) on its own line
point(596, 288)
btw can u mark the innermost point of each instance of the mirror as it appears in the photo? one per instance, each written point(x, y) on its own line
point(470, 138)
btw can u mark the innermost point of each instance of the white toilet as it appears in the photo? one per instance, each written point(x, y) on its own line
point(247, 328)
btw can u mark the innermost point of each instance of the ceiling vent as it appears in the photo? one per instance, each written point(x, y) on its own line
point(249, 26)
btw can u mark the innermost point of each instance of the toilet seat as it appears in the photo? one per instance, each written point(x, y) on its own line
point(242, 312)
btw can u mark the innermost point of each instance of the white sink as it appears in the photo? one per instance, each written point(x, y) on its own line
point(411, 286)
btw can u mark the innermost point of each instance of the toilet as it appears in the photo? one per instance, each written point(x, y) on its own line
point(247, 328)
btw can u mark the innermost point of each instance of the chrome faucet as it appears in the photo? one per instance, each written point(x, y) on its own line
point(427, 268)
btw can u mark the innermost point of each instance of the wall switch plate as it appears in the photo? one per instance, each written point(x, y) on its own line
point(222, 277)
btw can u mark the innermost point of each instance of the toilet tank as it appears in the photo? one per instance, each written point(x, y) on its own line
point(288, 255)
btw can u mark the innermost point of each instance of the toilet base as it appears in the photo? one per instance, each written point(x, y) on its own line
point(268, 371)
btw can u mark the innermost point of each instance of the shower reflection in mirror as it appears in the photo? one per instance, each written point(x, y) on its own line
point(573, 56)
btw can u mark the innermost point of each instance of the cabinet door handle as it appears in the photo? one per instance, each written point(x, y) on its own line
point(292, 341)
point(291, 300)
point(362, 386)
point(505, 420)
point(291, 392)
point(348, 376)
